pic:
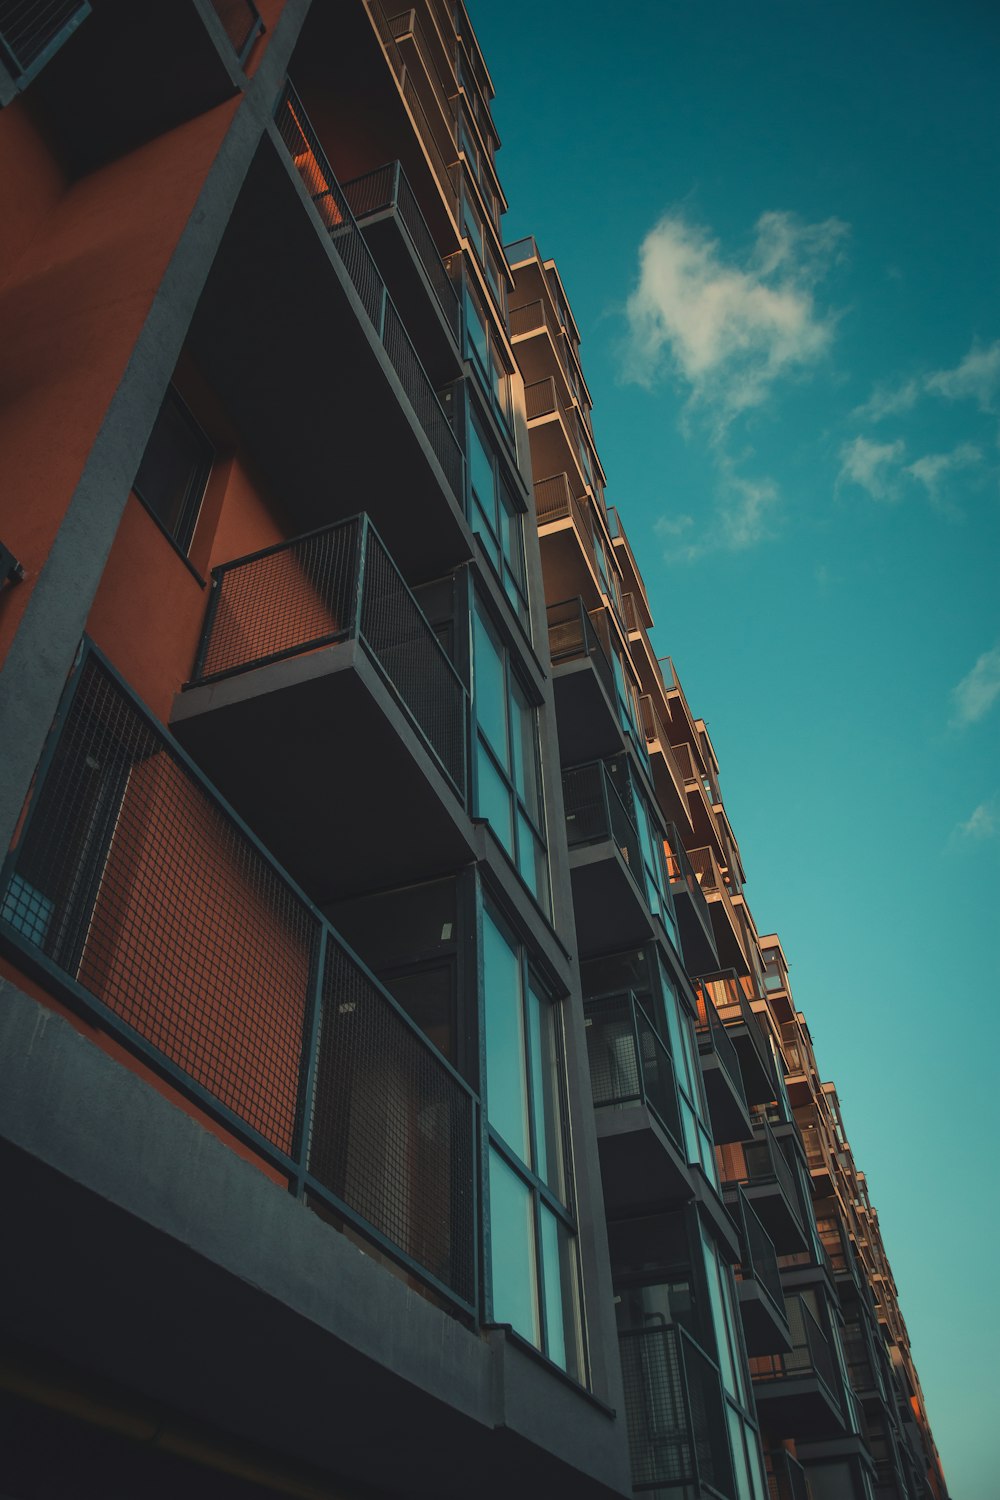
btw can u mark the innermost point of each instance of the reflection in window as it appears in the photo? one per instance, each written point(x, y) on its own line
point(534, 1274)
point(497, 519)
point(482, 352)
point(174, 470)
point(508, 783)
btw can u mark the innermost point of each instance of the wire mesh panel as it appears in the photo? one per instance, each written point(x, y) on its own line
point(763, 1260)
point(132, 880)
point(708, 1419)
point(659, 1434)
point(629, 1063)
point(391, 1135)
point(285, 599)
point(424, 400)
point(31, 28)
point(398, 635)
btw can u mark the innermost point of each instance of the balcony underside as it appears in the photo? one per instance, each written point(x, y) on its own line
point(610, 913)
point(765, 1327)
point(730, 1116)
point(697, 937)
point(799, 1407)
point(669, 794)
point(587, 720)
point(413, 295)
point(306, 381)
point(565, 565)
point(640, 1166)
point(757, 1077)
point(727, 939)
point(777, 1215)
point(282, 742)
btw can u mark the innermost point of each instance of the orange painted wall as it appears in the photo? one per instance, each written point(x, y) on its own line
point(85, 268)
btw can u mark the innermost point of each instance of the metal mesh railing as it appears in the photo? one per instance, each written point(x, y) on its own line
point(786, 1478)
point(330, 202)
point(32, 30)
point(540, 398)
point(761, 1260)
point(135, 887)
point(629, 1063)
point(758, 1161)
point(242, 23)
point(575, 632)
point(331, 585)
point(388, 188)
point(681, 875)
point(709, 1026)
point(595, 811)
point(810, 1353)
point(384, 32)
point(674, 1412)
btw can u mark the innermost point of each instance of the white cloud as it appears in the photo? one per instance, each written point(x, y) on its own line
point(729, 331)
point(934, 470)
point(984, 821)
point(875, 467)
point(741, 518)
point(975, 695)
point(974, 378)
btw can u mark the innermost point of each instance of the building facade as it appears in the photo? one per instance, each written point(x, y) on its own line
point(397, 1096)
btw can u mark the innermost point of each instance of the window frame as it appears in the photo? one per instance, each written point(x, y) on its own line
point(503, 488)
point(197, 485)
point(542, 1195)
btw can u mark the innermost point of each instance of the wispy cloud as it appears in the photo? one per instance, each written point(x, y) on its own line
point(934, 469)
point(978, 690)
point(742, 516)
point(976, 378)
point(984, 822)
point(729, 331)
point(874, 467)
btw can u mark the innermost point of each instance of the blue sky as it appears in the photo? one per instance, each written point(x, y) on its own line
point(779, 227)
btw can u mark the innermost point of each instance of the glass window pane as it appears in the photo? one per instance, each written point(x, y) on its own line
point(489, 691)
point(512, 1252)
point(481, 474)
point(525, 743)
point(506, 1083)
point(546, 1089)
point(174, 470)
point(494, 800)
point(477, 337)
point(562, 1296)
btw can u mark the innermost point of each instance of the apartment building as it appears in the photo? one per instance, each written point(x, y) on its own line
point(395, 1098)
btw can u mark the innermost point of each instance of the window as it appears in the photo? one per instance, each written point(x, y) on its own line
point(174, 470)
point(534, 1275)
point(508, 781)
point(481, 350)
point(698, 1145)
point(496, 519)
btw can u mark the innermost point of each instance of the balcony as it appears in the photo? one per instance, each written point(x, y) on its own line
point(667, 776)
point(543, 346)
point(758, 1284)
point(797, 1392)
point(140, 899)
point(633, 580)
point(325, 709)
point(746, 1033)
point(556, 448)
point(566, 538)
point(606, 865)
point(675, 1413)
point(348, 408)
point(725, 922)
point(720, 1066)
point(386, 208)
point(647, 663)
point(639, 1130)
point(786, 1478)
point(693, 917)
point(583, 680)
point(761, 1170)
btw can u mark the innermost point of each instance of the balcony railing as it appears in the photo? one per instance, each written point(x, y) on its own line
point(540, 398)
point(711, 1030)
point(332, 585)
point(388, 188)
point(656, 734)
point(523, 249)
point(751, 1163)
point(618, 534)
point(629, 1063)
point(242, 23)
point(408, 89)
point(810, 1354)
point(786, 1478)
point(143, 902)
point(675, 1413)
point(760, 1260)
point(733, 1007)
point(575, 632)
point(31, 33)
point(331, 204)
point(681, 874)
point(595, 811)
